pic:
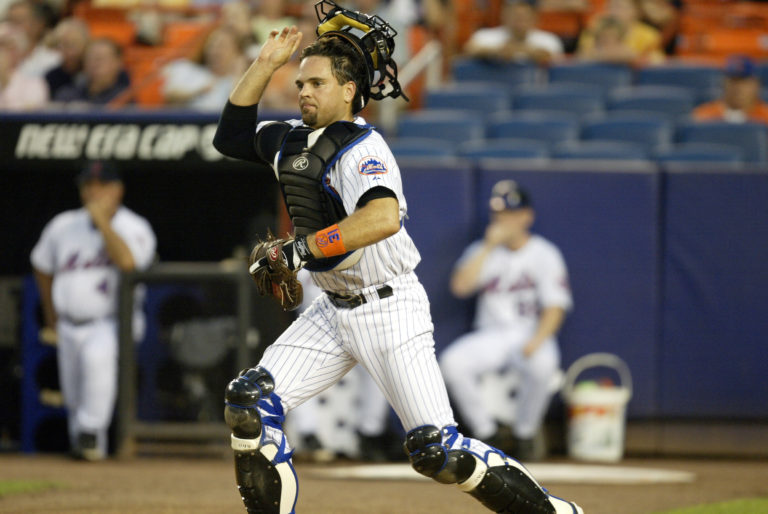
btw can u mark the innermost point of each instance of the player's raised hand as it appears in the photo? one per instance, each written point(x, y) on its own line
point(280, 46)
point(496, 234)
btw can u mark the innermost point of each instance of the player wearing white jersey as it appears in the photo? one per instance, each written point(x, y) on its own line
point(523, 294)
point(77, 263)
point(343, 191)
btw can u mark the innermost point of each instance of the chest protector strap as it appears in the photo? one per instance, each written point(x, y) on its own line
point(303, 173)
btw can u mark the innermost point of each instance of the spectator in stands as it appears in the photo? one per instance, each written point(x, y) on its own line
point(236, 16)
point(70, 38)
point(269, 14)
point(517, 38)
point(17, 90)
point(664, 16)
point(206, 86)
point(400, 14)
point(35, 19)
point(103, 78)
point(639, 43)
point(741, 100)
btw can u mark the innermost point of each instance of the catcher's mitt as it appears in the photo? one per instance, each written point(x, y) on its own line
point(269, 269)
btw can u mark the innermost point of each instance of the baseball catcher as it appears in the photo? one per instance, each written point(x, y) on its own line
point(343, 192)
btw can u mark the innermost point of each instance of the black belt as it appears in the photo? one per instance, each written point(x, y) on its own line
point(77, 322)
point(350, 301)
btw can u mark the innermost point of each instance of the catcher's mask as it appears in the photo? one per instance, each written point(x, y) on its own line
point(374, 40)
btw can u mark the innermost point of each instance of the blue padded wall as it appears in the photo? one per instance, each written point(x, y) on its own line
point(441, 222)
point(713, 349)
point(605, 223)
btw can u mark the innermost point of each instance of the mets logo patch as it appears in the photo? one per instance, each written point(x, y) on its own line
point(371, 166)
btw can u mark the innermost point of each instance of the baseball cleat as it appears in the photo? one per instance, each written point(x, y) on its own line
point(564, 507)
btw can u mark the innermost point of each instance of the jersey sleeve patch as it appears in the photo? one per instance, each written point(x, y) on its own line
point(370, 165)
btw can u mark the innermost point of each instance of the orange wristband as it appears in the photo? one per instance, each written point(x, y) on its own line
point(329, 241)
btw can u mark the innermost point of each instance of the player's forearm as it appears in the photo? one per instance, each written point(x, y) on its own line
point(465, 278)
point(376, 220)
point(250, 88)
point(550, 321)
point(45, 286)
point(117, 250)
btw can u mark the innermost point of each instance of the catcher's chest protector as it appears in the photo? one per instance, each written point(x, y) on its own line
point(303, 173)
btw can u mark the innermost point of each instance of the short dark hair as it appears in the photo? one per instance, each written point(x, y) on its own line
point(346, 64)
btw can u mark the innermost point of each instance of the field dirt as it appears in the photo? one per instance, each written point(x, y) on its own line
point(206, 485)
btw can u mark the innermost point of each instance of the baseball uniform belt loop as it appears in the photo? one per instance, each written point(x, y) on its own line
point(350, 301)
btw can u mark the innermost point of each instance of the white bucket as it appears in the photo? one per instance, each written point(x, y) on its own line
point(596, 412)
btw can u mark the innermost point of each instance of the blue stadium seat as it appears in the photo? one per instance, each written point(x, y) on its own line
point(704, 81)
point(701, 153)
point(603, 76)
point(450, 125)
point(500, 72)
point(576, 98)
point(421, 147)
point(482, 97)
point(617, 150)
point(508, 148)
point(670, 100)
point(650, 130)
point(548, 126)
point(751, 138)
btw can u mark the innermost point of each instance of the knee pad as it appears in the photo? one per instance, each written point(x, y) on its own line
point(496, 480)
point(241, 400)
point(431, 457)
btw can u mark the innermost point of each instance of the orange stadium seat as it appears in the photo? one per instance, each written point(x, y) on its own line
point(121, 31)
point(721, 42)
point(185, 33)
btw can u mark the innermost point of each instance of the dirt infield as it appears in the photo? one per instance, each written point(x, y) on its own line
point(187, 485)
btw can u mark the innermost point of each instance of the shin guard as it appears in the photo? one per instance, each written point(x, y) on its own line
point(263, 469)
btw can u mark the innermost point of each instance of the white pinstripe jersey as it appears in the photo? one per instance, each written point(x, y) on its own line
point(367, 164)
point(517, 284)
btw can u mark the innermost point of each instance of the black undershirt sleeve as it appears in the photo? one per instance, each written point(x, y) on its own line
point(236, 130)
point(374, 193)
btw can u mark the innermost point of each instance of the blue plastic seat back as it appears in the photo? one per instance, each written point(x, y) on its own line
point(751, 138)
point(603, 76)
point(618, 150)
point(649, 130)
point(548, 126)
point(445, 124)
point(481, 97)
point(508, 148)
point(670, 100)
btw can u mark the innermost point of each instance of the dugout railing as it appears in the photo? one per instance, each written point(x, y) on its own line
point(131, 430)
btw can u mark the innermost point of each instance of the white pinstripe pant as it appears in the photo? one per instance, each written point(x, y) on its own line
point(391, 337)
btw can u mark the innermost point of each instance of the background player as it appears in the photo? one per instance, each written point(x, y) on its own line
point(77, 262)
point(349, 233)
point(522, 282)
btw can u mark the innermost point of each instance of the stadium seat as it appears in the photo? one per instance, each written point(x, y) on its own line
point(481, 97)
point(751, 138)
point(579, 99)
point(508, 148)
point(500, 72)
point(651, 131)
point(453, 125)
point(670, 100)
point(615, 150)
point(421, 147)
point(548, 126)
point(603, 76)
point(704, 81)
point(701, 153)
